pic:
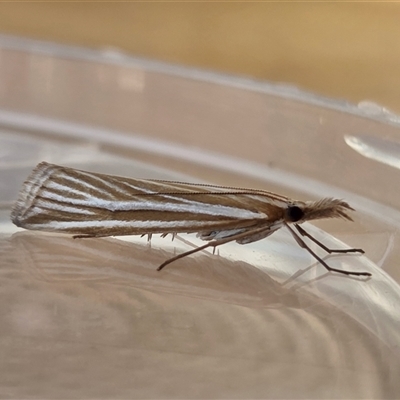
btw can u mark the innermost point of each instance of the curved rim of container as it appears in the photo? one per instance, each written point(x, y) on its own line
point(115, 56)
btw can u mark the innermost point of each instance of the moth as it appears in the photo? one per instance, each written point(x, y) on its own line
point(92, 205)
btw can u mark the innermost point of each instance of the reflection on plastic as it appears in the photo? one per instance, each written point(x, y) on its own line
point(375, 148)
point(121, 263)
point(102, 300)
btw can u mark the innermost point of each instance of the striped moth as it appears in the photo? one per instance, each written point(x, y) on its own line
point(87, 205)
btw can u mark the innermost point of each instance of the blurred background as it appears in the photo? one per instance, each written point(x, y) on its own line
point(343, 50)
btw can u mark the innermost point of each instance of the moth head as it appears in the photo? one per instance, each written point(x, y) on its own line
point(324, 208)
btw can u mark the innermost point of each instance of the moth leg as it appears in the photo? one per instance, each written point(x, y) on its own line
point(303, 232)
point(213, 243)
point(86, 236)
point(303, 244)
point(187, 253)
point(173, 235)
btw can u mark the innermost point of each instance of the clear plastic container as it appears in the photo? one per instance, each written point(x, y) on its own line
point(94, 319)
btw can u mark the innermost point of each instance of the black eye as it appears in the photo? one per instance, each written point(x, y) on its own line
point(294, 214)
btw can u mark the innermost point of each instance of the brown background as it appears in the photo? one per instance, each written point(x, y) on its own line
point(345, 50)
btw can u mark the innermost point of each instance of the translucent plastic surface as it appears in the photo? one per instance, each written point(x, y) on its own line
point(94, 319)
